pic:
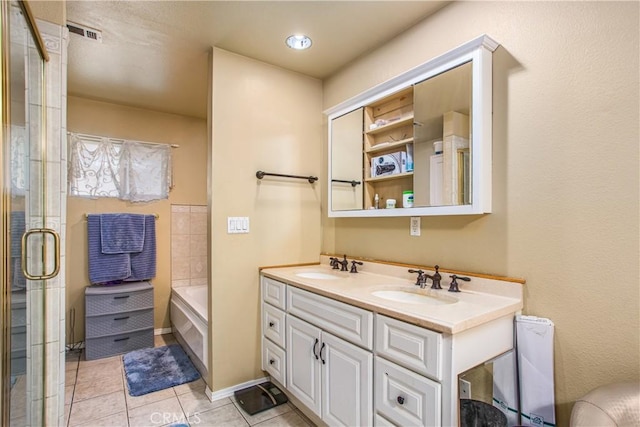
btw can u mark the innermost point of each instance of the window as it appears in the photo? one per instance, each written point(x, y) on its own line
point(128, 170)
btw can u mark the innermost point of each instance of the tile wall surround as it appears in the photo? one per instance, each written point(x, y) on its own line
point(189, 260)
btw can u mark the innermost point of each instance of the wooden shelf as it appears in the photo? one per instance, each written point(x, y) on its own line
point(403, 121)
point(383, 146)
point(389, 177)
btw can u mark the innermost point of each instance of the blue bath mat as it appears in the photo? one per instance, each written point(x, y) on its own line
point(154, 369)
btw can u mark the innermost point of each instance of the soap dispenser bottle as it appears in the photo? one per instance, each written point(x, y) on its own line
point(376, 201)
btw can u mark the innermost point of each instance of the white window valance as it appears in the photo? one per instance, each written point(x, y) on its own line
point(129, 170)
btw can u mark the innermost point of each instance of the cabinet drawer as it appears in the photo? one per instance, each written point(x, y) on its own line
point(111, 324)
point(273, 324)
point(411, 346)
point(118, 302)
point(404, 397)
point(97, 348)
point(351, 323)
point(274, 292)
point(274, 361)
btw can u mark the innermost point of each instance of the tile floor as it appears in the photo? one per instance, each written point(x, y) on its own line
point(96, 395)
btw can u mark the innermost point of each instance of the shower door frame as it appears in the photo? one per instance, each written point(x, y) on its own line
point(5, 205)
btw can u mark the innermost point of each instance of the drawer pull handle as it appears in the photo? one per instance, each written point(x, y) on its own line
point(121, 318)
point(315, 346)
point(322, 348)
point(271, 324)
point(271, 362)
point(121, 339)
point(122, 297)
point(400, 400)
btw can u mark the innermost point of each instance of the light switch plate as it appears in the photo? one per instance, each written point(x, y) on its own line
point(414, 227)
point(237, 224)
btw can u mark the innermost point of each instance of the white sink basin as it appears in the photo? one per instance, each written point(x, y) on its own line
point(413, 297)
point(316, 275)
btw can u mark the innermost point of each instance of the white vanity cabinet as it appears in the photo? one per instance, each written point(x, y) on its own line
point(358, 364)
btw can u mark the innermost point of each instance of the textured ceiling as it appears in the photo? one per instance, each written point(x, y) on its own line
point(154, 53)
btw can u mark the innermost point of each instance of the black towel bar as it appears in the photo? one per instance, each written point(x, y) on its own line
point(311, 179)
point(352, 182)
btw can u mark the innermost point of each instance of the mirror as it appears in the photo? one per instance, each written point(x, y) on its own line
point(407, 146)
point(442, 119)
point(346, 162)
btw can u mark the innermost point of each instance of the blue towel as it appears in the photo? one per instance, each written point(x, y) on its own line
point(18, 227)
point(121, 233)
point(18, 281)
point(143, 264)
point(104, 267)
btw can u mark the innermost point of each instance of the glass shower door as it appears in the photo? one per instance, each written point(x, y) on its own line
point(30, 249)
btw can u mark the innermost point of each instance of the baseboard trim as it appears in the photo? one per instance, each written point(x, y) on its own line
point(162, 331)
point(228, 392)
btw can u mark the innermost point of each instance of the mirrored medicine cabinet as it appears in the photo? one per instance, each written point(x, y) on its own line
point(422, 139)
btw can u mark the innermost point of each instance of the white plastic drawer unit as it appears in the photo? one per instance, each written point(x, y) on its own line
point(274, 292)
point(404, 397)
point(411, 346)
point(274, 361)
point(346, 321)
point(273, 324)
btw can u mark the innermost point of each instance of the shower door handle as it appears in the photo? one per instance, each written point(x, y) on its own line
point(56, 253)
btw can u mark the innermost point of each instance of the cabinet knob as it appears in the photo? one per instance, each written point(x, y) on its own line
point(400, 400)
point(271, 362)
point(271, 324)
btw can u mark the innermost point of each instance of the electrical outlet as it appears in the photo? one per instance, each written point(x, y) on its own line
point(414, 228)
point(464, 389)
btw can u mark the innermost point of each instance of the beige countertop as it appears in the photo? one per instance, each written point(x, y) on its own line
point(479, 301)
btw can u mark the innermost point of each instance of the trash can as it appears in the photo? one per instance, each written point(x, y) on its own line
point(474, 413)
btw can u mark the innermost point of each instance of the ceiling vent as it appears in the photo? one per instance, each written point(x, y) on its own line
point(86, 32)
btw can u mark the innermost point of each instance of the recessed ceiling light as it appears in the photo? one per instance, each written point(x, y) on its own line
point(298, 42)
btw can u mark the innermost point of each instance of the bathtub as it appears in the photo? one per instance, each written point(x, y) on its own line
point(189, 322)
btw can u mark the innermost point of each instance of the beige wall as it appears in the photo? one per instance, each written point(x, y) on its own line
point(565, 211)
point(190, 178)
point(263, 118)
point(49, 10)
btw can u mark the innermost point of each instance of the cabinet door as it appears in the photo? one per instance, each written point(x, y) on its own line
point(347, 389)
point(346, 162)
point(303, 362)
